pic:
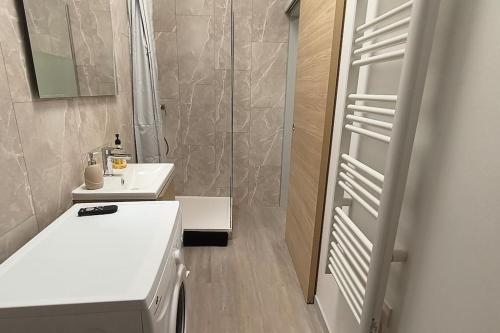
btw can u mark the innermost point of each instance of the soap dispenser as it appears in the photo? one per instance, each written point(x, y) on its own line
point(93, 174)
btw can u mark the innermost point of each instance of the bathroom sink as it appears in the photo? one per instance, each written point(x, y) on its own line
point(135, 182)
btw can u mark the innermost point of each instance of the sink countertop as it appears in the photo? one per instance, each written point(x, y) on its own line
point(135, 182)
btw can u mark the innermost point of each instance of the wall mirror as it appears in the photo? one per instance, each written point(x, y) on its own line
point(72, 47)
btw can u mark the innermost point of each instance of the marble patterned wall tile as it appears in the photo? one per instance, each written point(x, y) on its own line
point(200, 114)
point(241, 102)
point(49, 136)
point(195, 53)
point(119, 17)
point(43, 149)
point(264, 186)
point(266, 136)
point(204, 62)
point(93, 123)
point(180, 177)
point(15, 194)
point(101, 5)
point(223, 100)
point(239, 156)
point(14, 40)
point(194, 7)
point(242, 7)
point(269, 74)
point(222, 192)
point(240, 196)
point(120, 106)
point(99, 119)
point(122, 103)
point(174, 123)
point(11, 241)
point(270, 22)
point(200, 172)
point(120, 120)
point(164, 15)
point(123, 64)
point(242, 40)
point(222, 34)
point(241, 150)
point(168, 68)
point(222, 159)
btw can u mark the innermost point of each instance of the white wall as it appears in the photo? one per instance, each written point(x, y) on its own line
point(450, 221)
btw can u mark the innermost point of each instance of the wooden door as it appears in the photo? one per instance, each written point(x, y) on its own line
point(320, 30)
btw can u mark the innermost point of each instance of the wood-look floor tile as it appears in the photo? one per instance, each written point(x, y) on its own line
point(249, 286)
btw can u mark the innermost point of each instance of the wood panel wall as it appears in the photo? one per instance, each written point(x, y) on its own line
point(320, 31)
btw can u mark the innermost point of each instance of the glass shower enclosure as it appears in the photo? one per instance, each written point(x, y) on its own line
point(196, 82)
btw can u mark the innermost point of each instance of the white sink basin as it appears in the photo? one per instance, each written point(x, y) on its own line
point(135, 182)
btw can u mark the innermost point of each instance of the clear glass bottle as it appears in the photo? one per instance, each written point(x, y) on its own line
point(119, 163)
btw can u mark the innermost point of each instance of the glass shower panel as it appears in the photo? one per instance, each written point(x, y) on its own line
point(196, 89)
point(231, 113)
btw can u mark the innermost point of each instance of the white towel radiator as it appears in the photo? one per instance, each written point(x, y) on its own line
point(359, 265)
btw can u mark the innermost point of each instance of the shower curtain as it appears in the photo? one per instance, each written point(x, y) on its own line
point(148, 126)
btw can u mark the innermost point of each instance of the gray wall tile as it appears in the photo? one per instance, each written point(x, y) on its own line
point(270, 22)
point(242, 7)
point(269, 74)
point(223, 100)
point(174, 124)
point(240, 196)
point(15, 193)
point(203, 119)
point(92, 123)
point(241, 150)
point(222, 34)
point(49, 135)
point(200, 114)
point(164, 15)
point(194, 7)
point(200, 171)
point(195, 53)
point(241, 106)
point(222, 159)
point(119, 18)
point(180, 177)
point(242, 41)
point(266, 136)
point(13, 240)
point(168, 68)
point(43, 142)
point(242, 34)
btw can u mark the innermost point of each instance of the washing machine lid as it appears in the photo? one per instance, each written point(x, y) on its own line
point(90, 263)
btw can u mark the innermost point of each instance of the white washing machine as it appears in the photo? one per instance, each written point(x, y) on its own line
point(117, 273)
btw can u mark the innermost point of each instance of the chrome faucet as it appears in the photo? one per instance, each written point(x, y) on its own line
point(109, 154)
